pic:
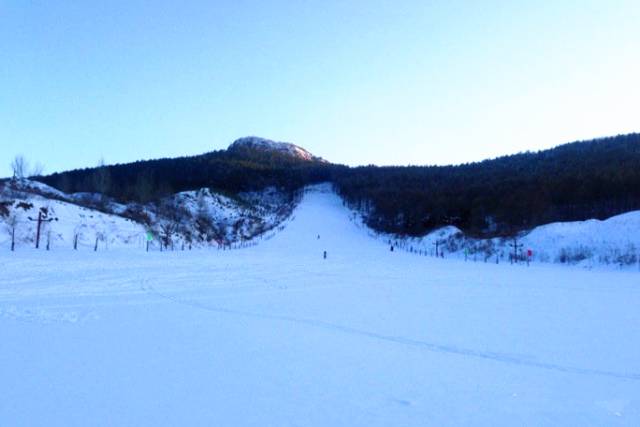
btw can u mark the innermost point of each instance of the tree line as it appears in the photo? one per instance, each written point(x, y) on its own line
point(588, 179)
point(226, 171)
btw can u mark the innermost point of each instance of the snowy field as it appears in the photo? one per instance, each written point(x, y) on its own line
point(274, 335)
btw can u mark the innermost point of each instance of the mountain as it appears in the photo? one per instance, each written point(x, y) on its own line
point(249, 164)
point(583, 180)
point(266, 146)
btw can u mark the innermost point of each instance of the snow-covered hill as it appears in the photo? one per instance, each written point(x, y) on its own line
point(212, 218)
point(614, 241)
point(195, 218)
point(21, 204)
point(266, 145)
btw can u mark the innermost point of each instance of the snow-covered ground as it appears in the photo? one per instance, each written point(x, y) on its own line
point(197, 218)
point(275, 335)
point(66, 220)
point(614, 242)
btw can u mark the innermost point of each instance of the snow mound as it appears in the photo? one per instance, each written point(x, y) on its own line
point(20, 186)
point(614, 241)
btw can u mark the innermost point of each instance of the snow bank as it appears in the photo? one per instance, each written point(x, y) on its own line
point(615, 241)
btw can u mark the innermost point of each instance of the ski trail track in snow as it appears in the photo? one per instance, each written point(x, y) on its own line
point(429, 346)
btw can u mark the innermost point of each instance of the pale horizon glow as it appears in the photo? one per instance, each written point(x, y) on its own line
point(360, 82)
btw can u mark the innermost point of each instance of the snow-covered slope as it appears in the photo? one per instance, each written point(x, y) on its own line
point(194, 218)
point(203, 218)
point(209, 217)
point(64, 221)
point(321, 224)
point(615, 241)
point(276, 335)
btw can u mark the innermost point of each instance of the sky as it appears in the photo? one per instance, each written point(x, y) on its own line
point(356, 82)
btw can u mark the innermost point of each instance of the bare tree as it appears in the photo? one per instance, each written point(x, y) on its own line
point(19, 166)
point(517, 247)
point(171, 211)
point(168, 229)
point(202, 211)
point(37, 170)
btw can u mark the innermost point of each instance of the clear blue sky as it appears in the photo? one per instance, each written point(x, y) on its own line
point(357, 82)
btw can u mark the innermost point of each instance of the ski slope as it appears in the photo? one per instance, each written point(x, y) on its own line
point(275, 335)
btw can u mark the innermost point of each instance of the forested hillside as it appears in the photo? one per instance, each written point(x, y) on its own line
point(576, 181)
point(581, 180)
point(228, 171)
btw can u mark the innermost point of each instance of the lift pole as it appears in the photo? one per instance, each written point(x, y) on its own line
point(42, 217)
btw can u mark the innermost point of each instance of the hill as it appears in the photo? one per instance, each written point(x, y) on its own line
point(499, 197)
point(584, 180)
point(182, 220)
point(249, 164)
